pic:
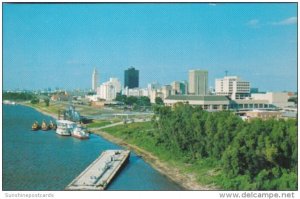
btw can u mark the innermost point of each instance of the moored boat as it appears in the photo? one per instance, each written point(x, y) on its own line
point(80, 132)
point(52, 125)
point(7, 102)
point(64, 127)
point(35, 126)
point(44, 127)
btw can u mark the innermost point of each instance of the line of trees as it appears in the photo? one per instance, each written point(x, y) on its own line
point(139, 101)
point(26, 96)
point(132, 100)
point(256, 155)
point(17, 96)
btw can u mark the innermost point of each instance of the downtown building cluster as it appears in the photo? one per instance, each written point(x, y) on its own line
point(229, 93)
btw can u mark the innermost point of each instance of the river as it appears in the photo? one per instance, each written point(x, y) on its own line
point(43, 160)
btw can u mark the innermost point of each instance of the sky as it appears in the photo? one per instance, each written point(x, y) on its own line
point(59, 45)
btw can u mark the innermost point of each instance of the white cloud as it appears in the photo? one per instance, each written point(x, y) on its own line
point(253, 23)
point(288, 21)
point(212, 4)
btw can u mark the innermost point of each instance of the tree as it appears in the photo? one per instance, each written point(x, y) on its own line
point(293, 99)
point(143, 101)
point(254, 155)
point(35, 101)
point(91, 93)
point(47, 101)
point(121, 98)
point(18, 96)
point(159, 101)
point(131, 100)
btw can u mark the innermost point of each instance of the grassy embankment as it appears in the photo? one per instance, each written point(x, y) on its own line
point(204, 172)
point(219, 148)
point(102, 122)
point(54, 107)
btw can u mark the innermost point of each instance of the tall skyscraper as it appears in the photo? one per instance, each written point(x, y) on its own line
point(95, 79)
point(131, 79)
point(198, 82)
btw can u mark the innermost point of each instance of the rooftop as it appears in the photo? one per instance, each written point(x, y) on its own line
point(199, 98)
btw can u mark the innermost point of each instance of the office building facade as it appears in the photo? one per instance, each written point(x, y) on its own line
point(179, 88)
point(232, 86)
point(279, 99)
point(108, 90)
point(131, 78)
point(198, 82)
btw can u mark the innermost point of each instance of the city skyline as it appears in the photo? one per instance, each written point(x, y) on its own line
point(62, 43)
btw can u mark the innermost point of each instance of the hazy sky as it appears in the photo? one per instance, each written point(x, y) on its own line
point(58, 45)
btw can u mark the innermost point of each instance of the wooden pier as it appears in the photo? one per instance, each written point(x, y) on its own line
point(101, 172)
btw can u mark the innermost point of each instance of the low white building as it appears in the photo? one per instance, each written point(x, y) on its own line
point(156, 90)
point(162, 92)
point(156, 93)
point(92, 98)
point(212, 103)
point(217, 103)
point(251, 104)
point(136, 92)
point(279, 99)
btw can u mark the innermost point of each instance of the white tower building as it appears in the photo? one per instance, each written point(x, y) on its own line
point(95, 79)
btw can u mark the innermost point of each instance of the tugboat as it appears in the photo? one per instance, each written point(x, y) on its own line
point(45, 127)
point(52, 125)
point(35, 126)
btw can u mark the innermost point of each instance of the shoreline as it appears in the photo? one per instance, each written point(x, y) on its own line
point(40, 110)
point(187, 182)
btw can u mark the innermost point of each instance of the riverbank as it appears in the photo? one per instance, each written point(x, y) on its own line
point(43, 110)
point(188, 182)
point(34, 171)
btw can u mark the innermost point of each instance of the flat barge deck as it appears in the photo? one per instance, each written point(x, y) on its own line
point(100, 172)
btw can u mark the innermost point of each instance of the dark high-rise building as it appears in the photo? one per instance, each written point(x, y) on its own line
point(131, 79)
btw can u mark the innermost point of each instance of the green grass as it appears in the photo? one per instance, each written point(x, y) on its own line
point(206, 171)
point(52, 108)
point(98, 123)
point(84, 110)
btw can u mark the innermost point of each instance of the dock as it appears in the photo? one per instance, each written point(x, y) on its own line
point(100, 173)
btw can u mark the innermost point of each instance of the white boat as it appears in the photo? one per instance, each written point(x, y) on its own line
point(7, 102)
point(65, 127)
point(80, 132)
